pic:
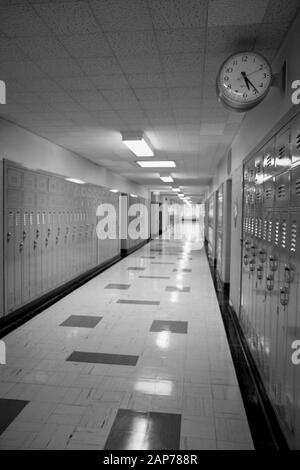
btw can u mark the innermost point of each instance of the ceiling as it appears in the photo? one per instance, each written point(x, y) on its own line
point(78, 72)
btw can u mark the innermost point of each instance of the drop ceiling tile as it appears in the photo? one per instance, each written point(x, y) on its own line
point(100, 66)
point(21, 20)
point(270, 35)
point(136, 64)
point(179, 41)
point(46, 46)
point(119, 95)
point(231, 12)
point(282, 9)
point(212, 129)
point(60, 68)
point(24, 98)
point(125, 43)
point(183, 79)
point(109, 82)
point(59, 97)
point(148, 94)
point(146, 80)
point(40, 85)
point(231, 39)
point(16, 69)
point(179, 13)
point(68, 17)
point(113, 15)
point(185, 93)
point(182, 62)
point(75, 83)
point(13, 109)
point(153, 104)
point(9, 50)
point(86, 46)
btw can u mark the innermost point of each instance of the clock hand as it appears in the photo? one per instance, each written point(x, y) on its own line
point(255, 89)
point(251, 73)
point(246, 79)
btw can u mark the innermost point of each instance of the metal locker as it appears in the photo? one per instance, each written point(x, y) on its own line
point(219, 230)
point(269, 159)
point(295, 140)
point(29, 203)
point(282, 151)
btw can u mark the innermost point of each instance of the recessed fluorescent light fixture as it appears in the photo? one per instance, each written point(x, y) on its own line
point(114, 190)
point(176, 190)
point(157, 164)
point(138, 143)
point(74, 180)
point(167, 179)
point(133, 195)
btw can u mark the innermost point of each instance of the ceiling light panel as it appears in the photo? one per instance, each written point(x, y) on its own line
point(157, 164)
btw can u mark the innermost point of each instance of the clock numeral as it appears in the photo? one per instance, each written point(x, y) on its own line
point(261, 85)
point(245, 95)
point(245, 58)
point(235, 62)
point(229, 70)
point(226, 78)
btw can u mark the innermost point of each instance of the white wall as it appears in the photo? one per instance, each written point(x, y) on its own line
point(31, 151)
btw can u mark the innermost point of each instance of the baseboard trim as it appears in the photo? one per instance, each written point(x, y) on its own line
point(126, 252)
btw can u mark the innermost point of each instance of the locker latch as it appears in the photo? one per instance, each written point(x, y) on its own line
point(284, 295)
point(253, 250)
point(260, 272)
point(24, 235)
point(288, 274)
point(8, 236)
point(49, 232)
point(37, 233)
point(247, 245)
point(246, 260)
point(21, 246)
point(262, 256)
point(34, 244)
point(270, 282)
point(46, 242)
point(252, 265)
point(273, 262)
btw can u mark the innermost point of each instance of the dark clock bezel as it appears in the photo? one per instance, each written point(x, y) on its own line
point(241, 107)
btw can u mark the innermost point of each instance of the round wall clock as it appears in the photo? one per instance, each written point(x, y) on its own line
point(244, 80)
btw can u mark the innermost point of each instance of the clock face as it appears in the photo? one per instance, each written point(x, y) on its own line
point(244, 80)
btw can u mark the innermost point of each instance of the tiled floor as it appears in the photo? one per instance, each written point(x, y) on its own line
point(186, 381)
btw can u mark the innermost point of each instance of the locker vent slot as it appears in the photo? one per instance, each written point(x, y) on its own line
point(276, 232)
point(260, 226)
point(268, 160)
point(298, 141)
point(265, 229)
point(268, 193)
point(293, 237)
point(270, 231)
point(259, 195)
point(281, 191)
point(283, 234)
point(297, 187)
point(256, 227)
point(252, 226)
point(281, 152)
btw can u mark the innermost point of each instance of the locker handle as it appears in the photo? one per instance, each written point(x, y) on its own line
point(262, 256)
point(37, 233)
point(288, 274)
point(46, 242)
point(24, 235)
point(273, 263)
point(34, 244)
point(284, 295)
point(260, 272)
point(253, 250)
point(21, 246)
point(252, 265)
point(270, 282)
point(246, 260)
point(56, 240)
point(8, 236)
point(49, 232)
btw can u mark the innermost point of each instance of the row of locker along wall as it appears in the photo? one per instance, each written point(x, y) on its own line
point(269, 311)
point(50, 233)
point(270, 296)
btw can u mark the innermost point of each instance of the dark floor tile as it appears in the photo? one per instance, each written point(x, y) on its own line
point(154, 277)
point(177, 289)
point(9, 410)
point(135, 430)
point(82, 321)
point(103, 358)
point(161, 262)
point(169, 325)
point(182, 270)
point(138, 302)
point(136, 269)
point(118, 286)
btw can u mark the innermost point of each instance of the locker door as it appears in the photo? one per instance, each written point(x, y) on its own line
point(10, 257)
point(32, 253)
point(27, 235)
point(38, 250)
